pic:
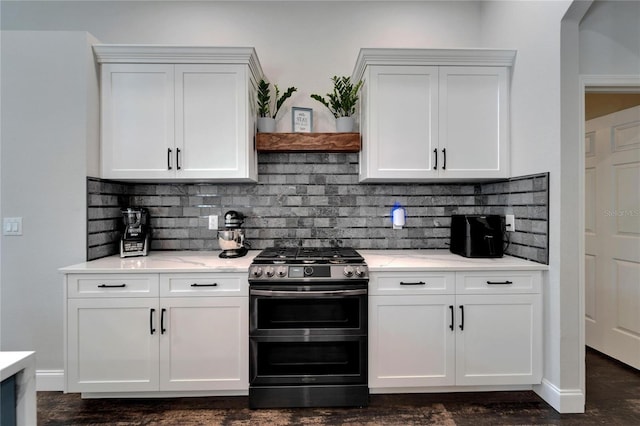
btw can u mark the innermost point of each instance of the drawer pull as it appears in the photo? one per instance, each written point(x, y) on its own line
point(112, 286)
point(204, 285)
point(499, 282)
point(415, 283)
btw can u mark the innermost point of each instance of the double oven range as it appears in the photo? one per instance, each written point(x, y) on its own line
point(308, 328)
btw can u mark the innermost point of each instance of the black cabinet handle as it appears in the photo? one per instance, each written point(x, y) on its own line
point(452, 319)
point(435, 155)
point(178, 158)
point(204, 285)
point(162, 329)
point(416, 283)
point(499, 282)
point(112, 285)
point(444, 155)
point(169, 159)
point(151, 329)
point(461, 317)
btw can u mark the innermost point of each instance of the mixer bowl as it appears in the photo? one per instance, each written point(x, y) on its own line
point(231, 239)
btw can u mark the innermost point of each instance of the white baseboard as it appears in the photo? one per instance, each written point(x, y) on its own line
point(563, 400)
point(50, 380)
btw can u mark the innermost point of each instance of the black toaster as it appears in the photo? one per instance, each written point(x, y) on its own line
point(477, 235)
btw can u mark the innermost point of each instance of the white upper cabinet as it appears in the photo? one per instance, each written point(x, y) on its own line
point(428, 114)
point(173, 113)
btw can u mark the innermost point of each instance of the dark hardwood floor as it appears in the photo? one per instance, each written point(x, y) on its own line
point(613, 398)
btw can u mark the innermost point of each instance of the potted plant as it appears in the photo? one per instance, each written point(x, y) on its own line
point(342, 102)
point(267, 120)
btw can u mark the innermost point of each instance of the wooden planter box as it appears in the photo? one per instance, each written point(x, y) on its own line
point(308, 142)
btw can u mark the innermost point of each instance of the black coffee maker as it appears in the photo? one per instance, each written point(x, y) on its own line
point(231, 239)
point(136, 235)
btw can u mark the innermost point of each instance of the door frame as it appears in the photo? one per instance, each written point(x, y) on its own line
point(592, 83)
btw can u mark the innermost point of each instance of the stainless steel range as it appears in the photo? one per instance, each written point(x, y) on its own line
point(308, 328)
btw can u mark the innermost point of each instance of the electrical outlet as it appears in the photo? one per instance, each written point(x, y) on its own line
point(213, 222)
point(510, 222)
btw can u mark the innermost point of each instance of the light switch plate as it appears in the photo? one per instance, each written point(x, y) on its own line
point(213, 222)
point(12, 226)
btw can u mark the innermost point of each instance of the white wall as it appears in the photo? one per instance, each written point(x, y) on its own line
point(610, 39)
point(301, 44)
point(48, 79)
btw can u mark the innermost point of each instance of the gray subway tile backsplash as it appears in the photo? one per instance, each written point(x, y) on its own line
point(314, 199)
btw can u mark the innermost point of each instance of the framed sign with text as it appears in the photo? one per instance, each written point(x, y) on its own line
point(302, 119)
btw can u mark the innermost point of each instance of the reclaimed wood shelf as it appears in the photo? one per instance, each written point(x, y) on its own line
point(308, 142)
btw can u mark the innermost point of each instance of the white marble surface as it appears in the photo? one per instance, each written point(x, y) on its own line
point(23, 365)
point(165, 261)
point(377, 260)
point(441, 260)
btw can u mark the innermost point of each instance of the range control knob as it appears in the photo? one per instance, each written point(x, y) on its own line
point(348, 271)
point(308, 271)
point(360, 272)
point(282, 272)
point(257, 272)
point(270, 271)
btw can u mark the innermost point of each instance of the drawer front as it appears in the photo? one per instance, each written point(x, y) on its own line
point(174, 285)
point(412, 283)
point(112, 285)
point(503, 282)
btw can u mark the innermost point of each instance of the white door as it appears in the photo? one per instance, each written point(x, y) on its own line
point(402, 123)
point(411, 341)
point(137, 133)
point(474, 116)
point(112, 345)
point(613, 247)
point(499, 339)
point(204, 343)
point(211, 121)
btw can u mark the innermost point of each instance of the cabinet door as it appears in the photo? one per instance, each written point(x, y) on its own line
point(204, 343)
point(411, 341)
point(137, 121)
point(499, 340)
point(112, 345)
point(211, 121)
point(402, 106)
point(474, 132)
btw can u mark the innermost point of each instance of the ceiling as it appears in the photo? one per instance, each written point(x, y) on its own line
point(599, 104)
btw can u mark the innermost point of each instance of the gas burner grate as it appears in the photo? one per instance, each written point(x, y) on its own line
point(337, 255)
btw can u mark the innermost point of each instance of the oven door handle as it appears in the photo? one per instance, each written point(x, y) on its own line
point(308, 293)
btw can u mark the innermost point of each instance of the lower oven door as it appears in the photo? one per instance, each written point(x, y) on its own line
point(307, 310)
point(301, 360)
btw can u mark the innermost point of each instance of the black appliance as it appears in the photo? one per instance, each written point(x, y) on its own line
point(308, 328)
point(137, 234)
point(231, 238)
point(477, 235)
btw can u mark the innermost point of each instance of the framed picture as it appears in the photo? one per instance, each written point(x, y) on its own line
point(301, 119)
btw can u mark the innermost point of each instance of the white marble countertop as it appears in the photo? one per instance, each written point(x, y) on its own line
point(165, 261)
point(441, 260)
point(377, 260)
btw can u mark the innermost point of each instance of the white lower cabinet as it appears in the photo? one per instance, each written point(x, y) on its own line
point(112, 345)
point(204, 345)
point(122, 336)
point(410, 343)
point(485, 330)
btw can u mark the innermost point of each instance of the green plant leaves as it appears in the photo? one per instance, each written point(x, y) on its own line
point(342, 102)
point(264, 99)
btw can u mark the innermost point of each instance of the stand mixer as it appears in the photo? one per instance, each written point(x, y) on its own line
point(231, 239)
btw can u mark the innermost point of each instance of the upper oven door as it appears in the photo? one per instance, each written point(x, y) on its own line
point(308, 310)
